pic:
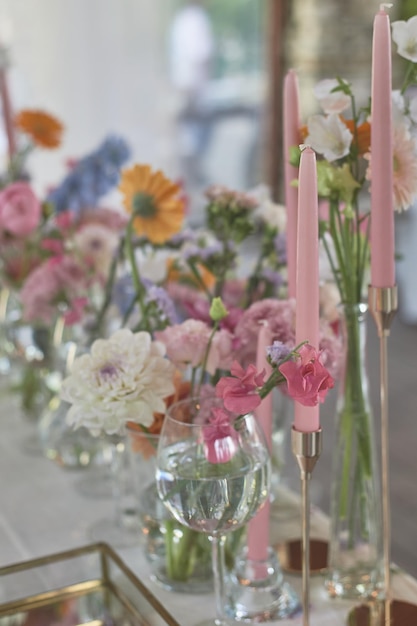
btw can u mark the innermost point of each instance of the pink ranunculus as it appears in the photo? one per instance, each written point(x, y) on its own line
point(20, 210)
point(185, 343)
point(220, 437)
point(308, 381)
point(240, 391)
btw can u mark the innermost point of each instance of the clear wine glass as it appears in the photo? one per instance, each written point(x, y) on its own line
point(212, 497)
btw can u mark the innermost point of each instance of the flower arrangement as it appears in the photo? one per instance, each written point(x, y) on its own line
point(340, 135)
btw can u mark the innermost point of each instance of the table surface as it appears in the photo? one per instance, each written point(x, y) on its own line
point(43, 511)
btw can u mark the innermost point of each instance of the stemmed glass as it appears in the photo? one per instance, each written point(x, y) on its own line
point(212, 484)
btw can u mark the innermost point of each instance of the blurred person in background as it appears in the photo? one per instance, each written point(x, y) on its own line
point(191, 52)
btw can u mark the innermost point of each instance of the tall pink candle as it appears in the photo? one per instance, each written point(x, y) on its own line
point(291, 131)
point(382, 201)
point(306, 419)
point(258, 527)
point(6, 104)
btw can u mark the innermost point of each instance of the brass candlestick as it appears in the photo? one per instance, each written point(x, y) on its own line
point(383, 304)
point(306, 448)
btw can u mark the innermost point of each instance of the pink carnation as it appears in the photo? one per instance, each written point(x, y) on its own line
point(185, 343)
point(308, 381)
point(280, 315)
point(220, 355)
point(20, 210)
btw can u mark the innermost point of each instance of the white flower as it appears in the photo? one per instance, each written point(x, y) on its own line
point(398, 108)
point(404, 34)
point(274, 215)
point(97, 244)
point(335, 102)
point(412, 107)
point(152, 264)
point(124, 378)
point(328, 136)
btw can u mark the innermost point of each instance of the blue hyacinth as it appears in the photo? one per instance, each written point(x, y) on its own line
point(92, 177)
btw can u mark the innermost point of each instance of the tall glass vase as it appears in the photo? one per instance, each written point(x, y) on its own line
point(355, 551)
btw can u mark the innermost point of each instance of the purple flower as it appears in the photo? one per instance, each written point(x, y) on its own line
point(273, 277)
point(163, 301)
point(281, 248)
point(277, 352)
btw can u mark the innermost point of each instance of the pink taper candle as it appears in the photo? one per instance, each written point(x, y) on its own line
point(382, 200)
point(6, 105)
point(258, 527)
point(306, 419)
point(291, 131)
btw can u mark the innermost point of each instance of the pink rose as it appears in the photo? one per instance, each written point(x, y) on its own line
point(219, 437)
point(20, 210)
point(308, 381)
point(240, 391)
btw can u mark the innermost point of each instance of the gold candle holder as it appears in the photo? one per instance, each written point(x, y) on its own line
point(383, 304)
point(306, 448)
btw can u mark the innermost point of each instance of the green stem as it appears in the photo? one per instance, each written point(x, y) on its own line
point(137, 284)
point(355, 436)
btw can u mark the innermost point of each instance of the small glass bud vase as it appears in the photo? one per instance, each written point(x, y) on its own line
point(355, 550)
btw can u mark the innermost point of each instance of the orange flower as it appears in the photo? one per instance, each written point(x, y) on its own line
point(141, 443)
point(364, 134)
point(44, 129)
point(175, 275)
point(154, 200)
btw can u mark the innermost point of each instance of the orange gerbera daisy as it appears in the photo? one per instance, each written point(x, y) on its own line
point(154, 200)
point(44, 129)
point(175, 275)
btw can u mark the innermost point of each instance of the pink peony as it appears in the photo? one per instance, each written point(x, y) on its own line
point(219, 437)
point(308, 381)
point(20, 210)
point(185, 343)
point(240, 391)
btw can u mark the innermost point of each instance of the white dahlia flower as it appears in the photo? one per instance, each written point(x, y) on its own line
point(125, 377)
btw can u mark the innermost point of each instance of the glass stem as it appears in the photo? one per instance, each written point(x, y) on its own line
point(122, 488)
point(218, 563)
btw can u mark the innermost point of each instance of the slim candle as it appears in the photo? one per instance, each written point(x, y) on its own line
point(258, 527)
point(382, 202)
point(6, 105)
point(306, 419)
point(291, 130)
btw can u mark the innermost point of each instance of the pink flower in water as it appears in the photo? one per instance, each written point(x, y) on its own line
point(308, 381)
point(240, 391)
point(220, 437)
point(186, 343)
point(20, 210)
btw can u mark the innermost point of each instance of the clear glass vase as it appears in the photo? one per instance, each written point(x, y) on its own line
point(180, 558)
point(60, 442)
point(355, 550)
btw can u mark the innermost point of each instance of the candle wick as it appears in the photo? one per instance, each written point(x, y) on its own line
point(304, 146)
point(385, 5)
